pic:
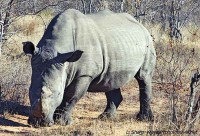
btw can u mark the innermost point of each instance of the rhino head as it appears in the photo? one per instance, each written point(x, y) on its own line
point(50, 72)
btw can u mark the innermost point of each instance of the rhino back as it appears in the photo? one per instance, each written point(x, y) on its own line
point(113, 51)
point(126, 43)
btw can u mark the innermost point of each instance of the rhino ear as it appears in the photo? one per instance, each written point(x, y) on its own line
point(71, 56)
point(29, 48)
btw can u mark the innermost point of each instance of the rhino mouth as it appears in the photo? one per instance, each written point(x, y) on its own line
point(39, 122)
point(41, 109)
point(36, 118)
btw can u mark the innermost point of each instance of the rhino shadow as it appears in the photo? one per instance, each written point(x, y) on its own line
point(7, 122)
point(15, 133)
point(12, 108)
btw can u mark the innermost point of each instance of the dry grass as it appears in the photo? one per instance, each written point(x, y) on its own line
point(85, 118)
point(15, 66)
point(15, 75)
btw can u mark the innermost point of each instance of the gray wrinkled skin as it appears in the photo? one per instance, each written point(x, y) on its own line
point(96, 53)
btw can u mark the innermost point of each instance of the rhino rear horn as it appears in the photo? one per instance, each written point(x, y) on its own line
point(28, 48)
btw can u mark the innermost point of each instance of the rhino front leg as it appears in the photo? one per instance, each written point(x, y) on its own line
point(145, 97)
point(114, 98)
point(72, 95)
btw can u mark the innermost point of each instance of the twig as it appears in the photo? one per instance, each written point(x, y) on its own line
point(84, 8)
point(49, 5)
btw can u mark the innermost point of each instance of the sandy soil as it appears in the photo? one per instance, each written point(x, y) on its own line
point(85, 118)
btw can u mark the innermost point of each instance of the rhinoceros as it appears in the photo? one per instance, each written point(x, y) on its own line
point(80, 53)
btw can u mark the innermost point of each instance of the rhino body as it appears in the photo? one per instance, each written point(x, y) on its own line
point(96, 53)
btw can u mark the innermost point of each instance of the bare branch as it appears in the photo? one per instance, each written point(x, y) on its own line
point(84, 8)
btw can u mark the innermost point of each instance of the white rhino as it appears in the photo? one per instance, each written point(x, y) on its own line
point(88, 53)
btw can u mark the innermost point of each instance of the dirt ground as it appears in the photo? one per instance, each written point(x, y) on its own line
point(85, 117)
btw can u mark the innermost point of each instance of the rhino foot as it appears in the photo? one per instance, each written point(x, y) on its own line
point(64, 120)
point(106, 115)
point(145, 116)
point(38, 122)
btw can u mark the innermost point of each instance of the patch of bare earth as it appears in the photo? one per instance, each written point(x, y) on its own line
point(85, 117)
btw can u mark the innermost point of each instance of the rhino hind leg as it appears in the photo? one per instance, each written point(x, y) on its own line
point(144, 78)
point(145, 89)
point(114, 98)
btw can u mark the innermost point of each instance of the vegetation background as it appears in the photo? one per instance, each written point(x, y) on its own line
point(175, 28)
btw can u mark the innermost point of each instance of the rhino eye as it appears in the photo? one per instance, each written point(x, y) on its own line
point(47, 55)
point(47, 52)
